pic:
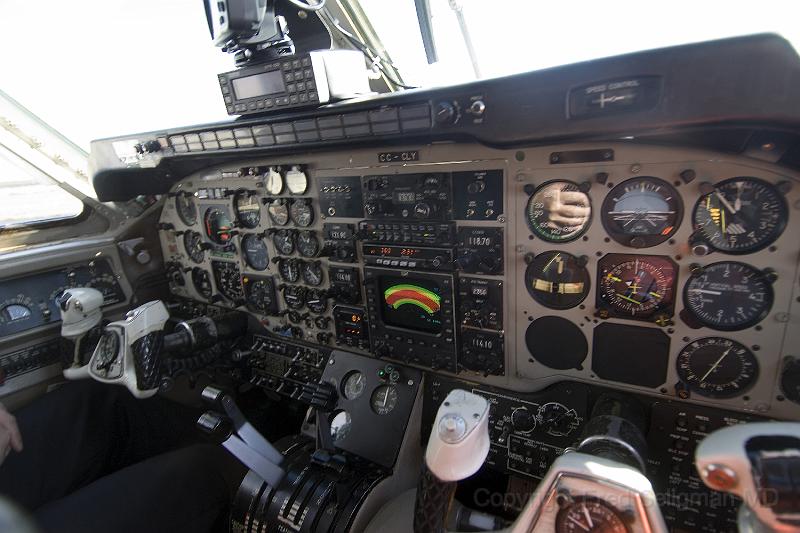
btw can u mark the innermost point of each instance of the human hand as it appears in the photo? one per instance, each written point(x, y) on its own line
point(567, 208)
point(10, 437)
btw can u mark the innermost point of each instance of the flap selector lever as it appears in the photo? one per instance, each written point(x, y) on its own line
point(240, 437)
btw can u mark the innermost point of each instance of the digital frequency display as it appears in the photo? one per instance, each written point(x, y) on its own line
point(410, 303)
point(259, 85)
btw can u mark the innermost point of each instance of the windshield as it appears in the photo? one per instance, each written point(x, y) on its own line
point(102, 68)
point(510, 36)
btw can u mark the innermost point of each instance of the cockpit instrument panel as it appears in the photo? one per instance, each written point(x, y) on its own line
point(514, 268)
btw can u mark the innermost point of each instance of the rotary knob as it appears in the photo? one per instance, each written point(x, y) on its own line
point(446, 113)
point(523, 420)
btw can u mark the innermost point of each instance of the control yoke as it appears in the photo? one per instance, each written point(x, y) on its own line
point(81, 312)
point(131, 352)
point(759, 463)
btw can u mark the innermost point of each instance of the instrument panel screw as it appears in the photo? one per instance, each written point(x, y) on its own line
point(636, 168)
point(410, 382)
point(501, 219)
point(782, 317)
point(520, 248)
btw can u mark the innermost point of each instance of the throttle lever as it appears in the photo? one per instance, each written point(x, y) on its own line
point(249, 434)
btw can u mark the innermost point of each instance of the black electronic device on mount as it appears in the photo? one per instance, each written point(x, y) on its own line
point(270, 75)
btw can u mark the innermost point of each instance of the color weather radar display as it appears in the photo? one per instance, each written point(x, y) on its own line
point(411, 304)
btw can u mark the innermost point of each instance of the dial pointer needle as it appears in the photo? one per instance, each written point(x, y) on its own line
point(715, 365)
point(725, 202)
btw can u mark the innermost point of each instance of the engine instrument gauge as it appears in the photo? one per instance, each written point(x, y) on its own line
point(557, 280)
point(289, 269)
point(558, 211)
point(384, 399)
point(301, 212)
point(187, 210)
point(717, 368)
point(202, 283)
point(354, 385)
point(294, 296)
point(279, 212)
point(248, 209)
point(193, 243)
point(307, 244)
point(587, 514)
point(296, 180)
point(312, 273)
point(742, 215)
point(260, 295)
point(284, 241)
point(316, 301)
point(255, 252)
point(218, 225)
point(636, 286)
point(728, 296)
point(642, 212)
point(273, 182)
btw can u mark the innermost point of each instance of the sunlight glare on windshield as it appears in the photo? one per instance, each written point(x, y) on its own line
point(511, 36)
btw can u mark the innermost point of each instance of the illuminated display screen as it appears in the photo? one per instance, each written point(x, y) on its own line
point(410, 303)
point(402, 251)
point(259, 85)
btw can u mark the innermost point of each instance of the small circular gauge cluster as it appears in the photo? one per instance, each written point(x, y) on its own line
point(291, 270)
point(287, 240)
point(298, 210)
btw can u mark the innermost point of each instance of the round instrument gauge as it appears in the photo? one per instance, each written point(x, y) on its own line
point(289, 269)
point(260, 295)
point(587, 514)
point(248, 209)
point(558, 419)
point(558, 211)
point(218, 225)
point(634, 286)
point(193, 243)
point(728, 296)
point(312, 273)
point(354, 385)
point(202, 283)
point(255, 252)
point(284, 241)
point(384, 399)
point(301, 212)
point(717, 368)
point(741, 216)
point(187, 210)
point(341, 423)
point(279, 212)
point(642, 212)
point(557, 280)
point(316, 301)
point(294, 296)
point(107, 361)
point(273, 182)
point(307, 244)
point(296, 180)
